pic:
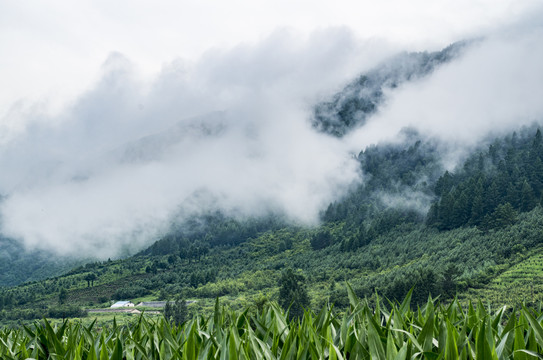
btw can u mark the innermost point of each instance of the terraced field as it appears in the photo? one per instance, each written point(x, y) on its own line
point(521, 283)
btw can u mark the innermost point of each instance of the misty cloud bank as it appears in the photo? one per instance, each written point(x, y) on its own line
point(232, 132)
point(229, 132)
point(496, 86)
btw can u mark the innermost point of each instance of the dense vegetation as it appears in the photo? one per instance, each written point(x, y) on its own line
point(18, 265)
point(370, 238)
point(492, 187)
point(409, 232)
point(385, 331)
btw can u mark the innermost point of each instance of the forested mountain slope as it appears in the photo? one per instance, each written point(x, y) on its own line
point(18, 265)
point(375, 244)
point(352, 106)
point(492, 185)
point(390, 186)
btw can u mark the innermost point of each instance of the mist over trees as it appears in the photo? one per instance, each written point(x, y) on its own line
point(492, 187)
point(354, 104)
point(414, 212)
point(377, 244)
point(355, 186)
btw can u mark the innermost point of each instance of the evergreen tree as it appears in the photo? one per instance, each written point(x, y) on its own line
point(321, 240)
point(510, 172)
point(512, 195)
point(536, 176)
point(444, 184)
point(432, 219)
point(504, 215)
point(426, 284)
point(445, 212)
point(477, 206)
point(176, 312)
point(461, 210)
point(527, 197)
point(292, 293)
point(62, 296)
point(449, 280)
point(89, 278)
point(537, 144)
point(492, 198)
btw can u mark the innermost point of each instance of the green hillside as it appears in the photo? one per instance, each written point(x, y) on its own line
point(520, 283)
point(495, 255)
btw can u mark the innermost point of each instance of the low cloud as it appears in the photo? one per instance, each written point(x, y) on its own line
point(109, 174)
point(496, 86)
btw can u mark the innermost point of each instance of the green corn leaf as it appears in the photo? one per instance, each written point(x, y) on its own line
point(374, 341)
point(426, 336)
point(451, 349)
point(535, 326)
point(530, 354)
point(483, 347)
point(406, 303)
point(391, 351)
point(502, 350)
point(519, 345)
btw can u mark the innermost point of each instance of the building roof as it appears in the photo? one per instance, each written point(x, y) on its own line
point(153, 303)
point(158, 304)
point(122, 303)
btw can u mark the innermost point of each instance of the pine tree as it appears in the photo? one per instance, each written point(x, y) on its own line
point(537, 144)
point(461, 210)
point(432, 219)
point(445, 211)
point(503, 216)
point(477, 205)
point(176, 312)
point(292, 293)
point(536, 176)
point(321, 240)
point(444, 184)
point(512, 195)
point(449, 280)
point(477, 210)
point(492, 197)
point(527, 197)
point(62, 296)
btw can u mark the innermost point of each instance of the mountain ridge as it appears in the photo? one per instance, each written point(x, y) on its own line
point(359, 99)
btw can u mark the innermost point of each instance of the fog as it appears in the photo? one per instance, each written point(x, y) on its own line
point(111, 171)
point(495, 87)
point(229, 132)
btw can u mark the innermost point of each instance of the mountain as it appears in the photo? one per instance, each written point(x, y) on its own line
point(347, 109)
point(358, 100)
point(376, 244)
point(18, 265)
point(153, 146)
point(410, 224)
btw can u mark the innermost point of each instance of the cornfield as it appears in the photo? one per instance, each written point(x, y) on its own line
point(390, 332)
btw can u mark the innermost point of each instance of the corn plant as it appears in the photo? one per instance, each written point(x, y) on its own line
point(386, 331)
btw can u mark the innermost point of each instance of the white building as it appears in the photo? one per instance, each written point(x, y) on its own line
point(119, 304)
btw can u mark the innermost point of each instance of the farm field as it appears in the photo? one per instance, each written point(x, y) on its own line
point(382, 331)
point(520, 284)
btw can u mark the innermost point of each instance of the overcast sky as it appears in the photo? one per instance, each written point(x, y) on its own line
point(52, 50)
point(118, 117)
